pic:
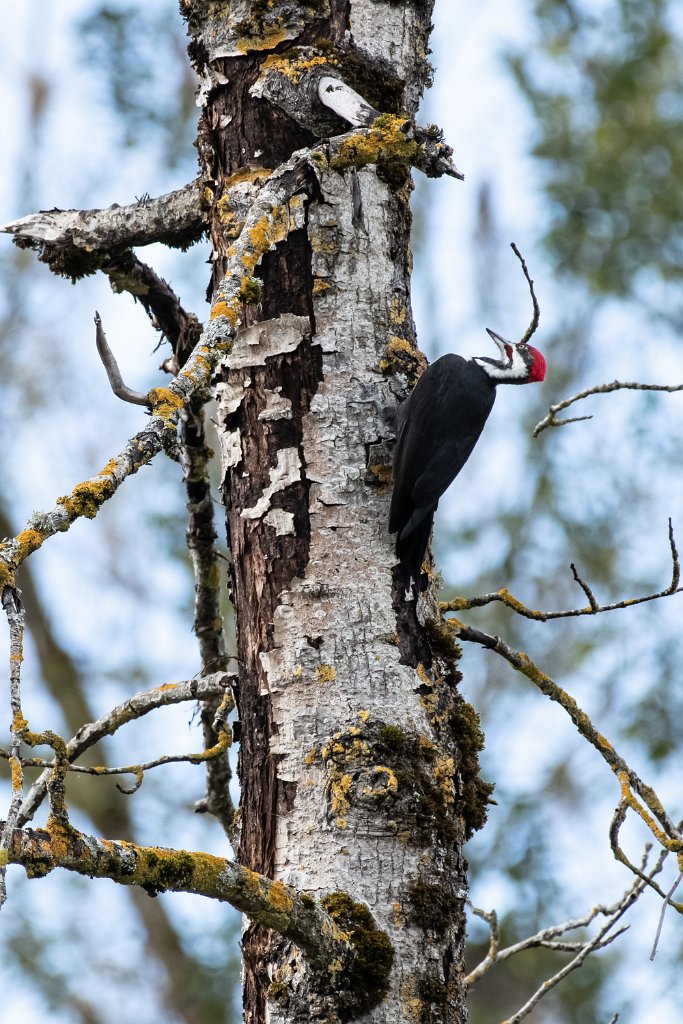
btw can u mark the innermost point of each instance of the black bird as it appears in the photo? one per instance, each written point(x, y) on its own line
point(438, 426)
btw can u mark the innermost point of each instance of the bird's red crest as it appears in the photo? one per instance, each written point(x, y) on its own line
point(537, 372)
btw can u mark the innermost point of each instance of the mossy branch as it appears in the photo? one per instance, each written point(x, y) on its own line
point(271, 904)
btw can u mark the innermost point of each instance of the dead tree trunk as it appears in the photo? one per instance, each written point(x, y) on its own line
point(357, 755)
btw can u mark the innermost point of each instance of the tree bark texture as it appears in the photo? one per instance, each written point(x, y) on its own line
point(358, 757)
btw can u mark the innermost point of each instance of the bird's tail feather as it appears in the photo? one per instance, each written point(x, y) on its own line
point(411, 549)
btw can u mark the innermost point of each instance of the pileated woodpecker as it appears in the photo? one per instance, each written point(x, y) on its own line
point(438, 427)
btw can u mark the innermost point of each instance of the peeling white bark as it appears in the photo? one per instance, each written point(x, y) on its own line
point(286, 472)
point(137, 223)
point(254, 344)
point(281, 521)
point(277, 407)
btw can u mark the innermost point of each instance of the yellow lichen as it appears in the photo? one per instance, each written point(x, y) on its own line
point(397, 311)
point(338, 793)
point(325, 673)
point(165, 403)
point(363, 715)
point(279, 898)
point(268, 39)
point(223, 309)
point(390, 783)
point(27, 542)
point(249, 173)
point(87, 498)
point(400, 356)
point(385, 140)
point(251, 290)
point(295, 66)
point(320, 286)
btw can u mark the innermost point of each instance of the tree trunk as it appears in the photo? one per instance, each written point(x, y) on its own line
point(357, 755)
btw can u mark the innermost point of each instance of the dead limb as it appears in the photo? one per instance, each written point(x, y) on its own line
point(210, 686)
point(73, 242)
point(600, 389)
point(503, 596)
point(546, 939)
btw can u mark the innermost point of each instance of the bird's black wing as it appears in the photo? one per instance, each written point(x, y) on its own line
point(438, 427)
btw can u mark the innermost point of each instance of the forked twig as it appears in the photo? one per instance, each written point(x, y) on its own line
point(503, 596)
point(551, 420)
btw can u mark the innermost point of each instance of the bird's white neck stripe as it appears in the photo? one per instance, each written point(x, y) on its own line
point(516, 369)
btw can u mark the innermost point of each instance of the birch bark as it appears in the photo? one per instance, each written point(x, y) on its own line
point(357, 756)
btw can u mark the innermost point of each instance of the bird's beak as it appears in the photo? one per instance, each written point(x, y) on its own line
point(504, 346)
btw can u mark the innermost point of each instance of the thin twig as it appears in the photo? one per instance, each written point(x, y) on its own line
point(120, 389)
point(627, 900)
point(531, 329)
point(135, 707)
point(665, 904)
point(503, 596)
point(129, 769)
point(550, 420)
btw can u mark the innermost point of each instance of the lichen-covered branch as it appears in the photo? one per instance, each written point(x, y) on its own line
point(309, 86)
point(503, 596)
point(217, 750)
point(14, 610)
point(600, 389)
point(208, 619)
point(267, 223)
point(271, 904)
point(208, 687)
point(640, 797)
point(74, 242)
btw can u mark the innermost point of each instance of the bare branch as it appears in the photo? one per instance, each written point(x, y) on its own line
point(600, 389)
point(211, 686)
point(531, 329)
point(71, 241)
point(665, 904)
point(599, 941)
point(503, 596)
point(120, 389)
point(128, 273)
point(592, 603)
point(639, 797)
